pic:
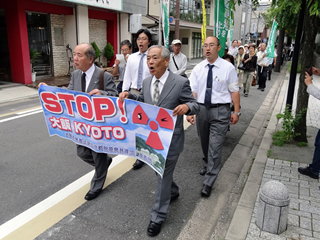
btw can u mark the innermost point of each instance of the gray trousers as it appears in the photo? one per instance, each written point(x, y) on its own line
point(100, 161)
point(212, 126)
point(166, 188)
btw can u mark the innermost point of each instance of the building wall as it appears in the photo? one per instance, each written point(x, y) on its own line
point(98, 34)
point(60, 62)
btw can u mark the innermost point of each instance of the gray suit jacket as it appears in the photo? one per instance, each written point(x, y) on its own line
point(176, 91)
point(110, 88)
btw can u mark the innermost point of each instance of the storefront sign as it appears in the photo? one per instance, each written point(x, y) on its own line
point(109, 4)
point(106, 125)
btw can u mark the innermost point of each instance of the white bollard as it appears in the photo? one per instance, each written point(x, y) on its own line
point(273, 207)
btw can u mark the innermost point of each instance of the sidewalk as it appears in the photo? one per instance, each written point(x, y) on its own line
point(281, 163)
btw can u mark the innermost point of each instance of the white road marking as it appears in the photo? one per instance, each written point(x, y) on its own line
point(28, 111)
point(20, 116)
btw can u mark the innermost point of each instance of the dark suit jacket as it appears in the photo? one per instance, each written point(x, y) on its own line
point(176, 91)
point(110, 88)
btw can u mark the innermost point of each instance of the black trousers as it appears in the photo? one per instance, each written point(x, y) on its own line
point(262, 73)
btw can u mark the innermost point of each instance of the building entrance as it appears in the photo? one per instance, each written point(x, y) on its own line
point(40, 41)
point(5, 67)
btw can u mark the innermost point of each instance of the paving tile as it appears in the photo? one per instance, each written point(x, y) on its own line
point(309, 208)
point(293, 220)
point(305, 223)
point(316, 225)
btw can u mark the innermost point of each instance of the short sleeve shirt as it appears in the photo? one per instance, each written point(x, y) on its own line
point(224, 81)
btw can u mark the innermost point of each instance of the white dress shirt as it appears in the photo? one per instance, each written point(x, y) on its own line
point(181, 61)
point(89, 74)
point(162, 80)
point(225, 80)
point(130, 78)
point(261, 60)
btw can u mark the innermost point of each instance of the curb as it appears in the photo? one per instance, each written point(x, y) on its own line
point(242, 216)
point(212, 217)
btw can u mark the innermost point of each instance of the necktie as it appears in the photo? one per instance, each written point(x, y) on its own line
point(156, 92)
point(83, 82)
point(207, 99)
point(140, 71)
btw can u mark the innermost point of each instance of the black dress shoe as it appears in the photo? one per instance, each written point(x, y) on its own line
point(203, 171)
point(306, 171)
point(154, 229)
point(92, 195)
point(138, 164)
point(205, 191)
point(174, 197)
point(262, 89)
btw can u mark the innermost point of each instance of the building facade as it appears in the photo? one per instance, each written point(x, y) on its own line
point(52, 29)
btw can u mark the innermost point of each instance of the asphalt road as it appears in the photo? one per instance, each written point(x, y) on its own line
point(33, 166)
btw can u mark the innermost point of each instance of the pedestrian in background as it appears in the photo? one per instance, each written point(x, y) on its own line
point(178, 61)
point(229, 58)
point(126, 49)
point(214, 84)
point(239, 62)
point(262, 67)
point(233, 50)
point(250, 61)
point(137, 70)
point(86, 79)
point(313, 169)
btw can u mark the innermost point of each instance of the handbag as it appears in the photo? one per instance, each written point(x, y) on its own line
point(253, 81)
point(242, 66)
point(101, 79)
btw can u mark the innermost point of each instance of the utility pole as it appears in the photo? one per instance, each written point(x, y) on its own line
point(244, 18)
point(257, 30)
point(160, 22)
point(177, 20)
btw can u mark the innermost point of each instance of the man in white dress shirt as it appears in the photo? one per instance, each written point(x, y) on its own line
point(137, 70)
point(178, 61)
point(263, 67)
point(214, 84)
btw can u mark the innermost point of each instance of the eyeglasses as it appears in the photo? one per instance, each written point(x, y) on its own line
point(211, 45)
point(125, 50)
point(142, 39)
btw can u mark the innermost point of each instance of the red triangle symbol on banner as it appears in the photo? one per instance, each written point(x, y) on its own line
point(154, 141)
point(164, 119)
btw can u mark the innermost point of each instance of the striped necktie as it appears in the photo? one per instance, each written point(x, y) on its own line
point(156, 92)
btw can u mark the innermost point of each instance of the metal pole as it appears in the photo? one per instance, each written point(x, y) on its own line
point(257, 30)
point(294, 65)
point(160, 23)
point(177, 20)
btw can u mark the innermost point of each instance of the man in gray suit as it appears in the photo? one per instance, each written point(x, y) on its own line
point(86, 79)
point(167, 90)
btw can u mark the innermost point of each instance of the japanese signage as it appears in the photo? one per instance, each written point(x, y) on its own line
point(106, 125)
point(270, 47)
point(109, 4)
point(165, 22)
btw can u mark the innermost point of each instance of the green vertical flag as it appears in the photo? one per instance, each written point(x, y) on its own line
point(270, 47)
point(165, 22)
point(221, 24)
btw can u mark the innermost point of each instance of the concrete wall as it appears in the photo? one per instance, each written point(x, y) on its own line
point(124, 26)
point(186, 49)
point(60, 62)
point(98, 34)
point(71, 32)
point(135, 6)
point(82, 23)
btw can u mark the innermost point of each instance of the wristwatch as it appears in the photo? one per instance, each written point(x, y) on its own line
point(238, 113)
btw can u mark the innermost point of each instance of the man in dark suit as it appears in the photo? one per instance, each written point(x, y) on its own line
point(167, 90)
point(86, 79)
